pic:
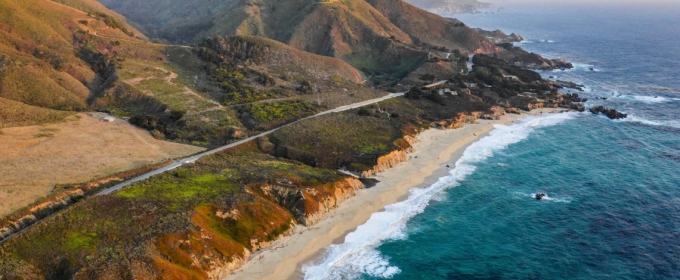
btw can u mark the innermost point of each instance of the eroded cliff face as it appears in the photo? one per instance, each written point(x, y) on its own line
point(222, 240)
point(458, 121)
point(392, 159)
point(494, 113)
point(386, 162)
point(308, 205)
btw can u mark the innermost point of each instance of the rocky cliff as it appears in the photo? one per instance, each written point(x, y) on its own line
point(308, 205)
point(386, 162)
point(458, 121)
point(276, 208)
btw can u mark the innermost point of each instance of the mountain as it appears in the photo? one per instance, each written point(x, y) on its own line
point(377, 37)
point(449, 7)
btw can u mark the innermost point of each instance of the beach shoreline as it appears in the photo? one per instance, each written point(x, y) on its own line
point(435, 148)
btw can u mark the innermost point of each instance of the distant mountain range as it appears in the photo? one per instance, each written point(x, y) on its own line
point(449, 7)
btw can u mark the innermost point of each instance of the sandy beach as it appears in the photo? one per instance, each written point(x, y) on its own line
point(434, 150)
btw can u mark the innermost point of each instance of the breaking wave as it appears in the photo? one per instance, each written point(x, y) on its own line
point(641, 120)
point(358, 255)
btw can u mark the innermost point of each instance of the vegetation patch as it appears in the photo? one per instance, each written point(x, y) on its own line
point(263, 116)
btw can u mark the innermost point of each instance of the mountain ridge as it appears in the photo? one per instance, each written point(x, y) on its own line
point(375, 36)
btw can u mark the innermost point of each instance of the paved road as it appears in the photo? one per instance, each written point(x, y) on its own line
point(193, 159)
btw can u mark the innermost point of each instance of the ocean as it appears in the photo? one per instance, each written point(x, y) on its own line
point(612, 209)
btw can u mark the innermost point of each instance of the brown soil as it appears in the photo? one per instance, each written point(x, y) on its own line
point(35, 158)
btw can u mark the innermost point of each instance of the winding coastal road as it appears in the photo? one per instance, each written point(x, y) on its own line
point(194, 158)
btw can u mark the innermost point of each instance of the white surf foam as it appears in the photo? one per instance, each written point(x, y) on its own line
point(647, 99)
point(641, 120)
point(580, 67)
point(358, 254)
point(552, 199)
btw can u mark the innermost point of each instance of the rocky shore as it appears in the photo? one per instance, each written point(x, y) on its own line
point(433, 149)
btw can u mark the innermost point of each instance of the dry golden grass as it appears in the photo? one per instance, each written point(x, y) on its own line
point(35, 158)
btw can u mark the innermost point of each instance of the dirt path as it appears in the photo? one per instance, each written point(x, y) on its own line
point(170, 76)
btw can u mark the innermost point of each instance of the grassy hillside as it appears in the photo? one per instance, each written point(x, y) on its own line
point(39, 61)
point(429, 29)
point(179, 225)
point(14, 113)
point(75, 55)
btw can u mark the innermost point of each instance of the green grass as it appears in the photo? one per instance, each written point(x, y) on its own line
point(267, 112)
point(340, 139)
point(80, 241)
point(181, 189)
point(112, 231)
point(141, 69)
point(173, 95)
point(266, 115)
point(379, 148)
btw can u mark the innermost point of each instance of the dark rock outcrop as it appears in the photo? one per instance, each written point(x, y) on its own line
point(609, 112)
point(521, 58)
point(566, 84)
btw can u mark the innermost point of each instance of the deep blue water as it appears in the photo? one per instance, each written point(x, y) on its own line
point(613, 210)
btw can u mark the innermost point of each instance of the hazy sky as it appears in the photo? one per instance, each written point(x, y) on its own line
point(501, 2)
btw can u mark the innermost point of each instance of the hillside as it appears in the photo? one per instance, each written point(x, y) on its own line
point(38, 64)
point(58, 60)
point(205, 220)
point(377, 37)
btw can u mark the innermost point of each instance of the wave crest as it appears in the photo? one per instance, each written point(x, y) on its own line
point(358, 255)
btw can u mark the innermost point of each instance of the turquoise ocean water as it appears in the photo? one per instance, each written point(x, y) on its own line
point(613, 206)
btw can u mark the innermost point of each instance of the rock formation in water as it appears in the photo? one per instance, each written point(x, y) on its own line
point(609, 112)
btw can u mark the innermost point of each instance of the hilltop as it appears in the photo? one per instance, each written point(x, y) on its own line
point(378, 37)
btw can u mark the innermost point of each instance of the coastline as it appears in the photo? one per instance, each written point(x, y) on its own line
point(434, 149)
